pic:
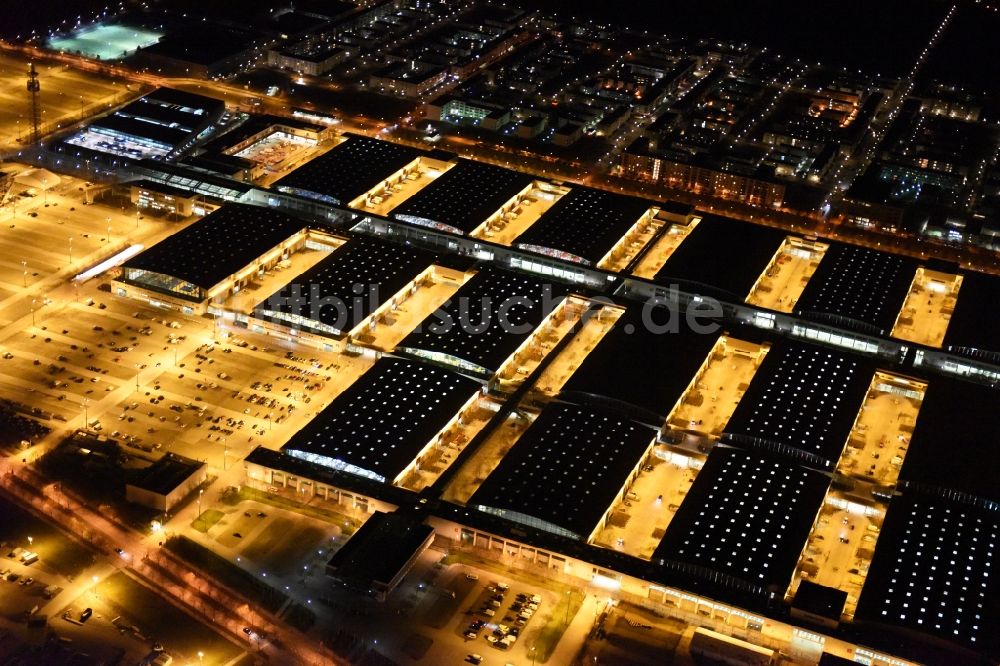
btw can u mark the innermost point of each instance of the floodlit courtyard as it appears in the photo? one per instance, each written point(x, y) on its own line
point(562, 367)
point(275, 279)
point(839, 549)
point(448, 444)
point(786, 276)
point(881, 434)
point(506, 227)
point(656, 256)
point(388, 326)
point(274, 149)
point(475, 470)
point(928, 307)
point(628, 248)
point(383, 198)
point(541, 342)
point(710, 400)
point(637, 523)
point(496, 445)
point(282, 153)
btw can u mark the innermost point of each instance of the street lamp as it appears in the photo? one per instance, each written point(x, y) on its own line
point(24, 265)
point(31, 540)
point(71, 250)
point(200, 491)
point(201, 657)
point(32, 310)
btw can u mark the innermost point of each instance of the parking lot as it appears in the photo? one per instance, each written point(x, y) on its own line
point(45, 232)
point(281, 542)
point(507, 227)
point(149, 380)
point(499, 615)
point(460, 609)
point(66, 94)
point(128, 617)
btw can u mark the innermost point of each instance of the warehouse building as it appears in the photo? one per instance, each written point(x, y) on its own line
point(339, 294)
point(212, 259)
point(464, 197)
point(384, 421)
point(590, 227)
point(161, 125)
point(486, 321)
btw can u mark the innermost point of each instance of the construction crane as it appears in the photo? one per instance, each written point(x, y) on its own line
point(36, 111)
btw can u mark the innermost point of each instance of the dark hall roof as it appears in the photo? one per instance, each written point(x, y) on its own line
point(380, 548)
point(379, 424)
point(803, 398)
point(131, 126)
point(348, 170)
point(488, 318)
point(747, 516)
point(725, 254)
point(218, 245)
point(585, 223)
point(974, 329)
point(635, 364)
point(463, 196)
point(565, 469)
point(934, 571)
point(348, 285)
point(955, 440)
point(859, 283)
